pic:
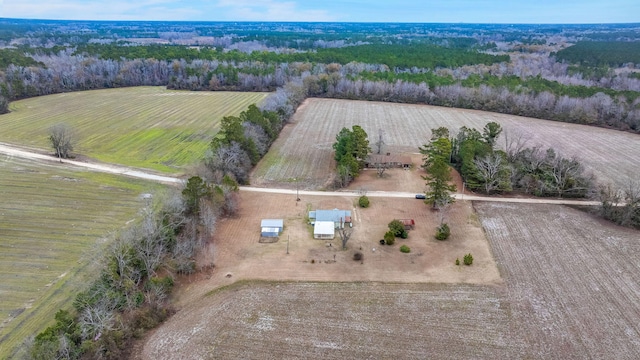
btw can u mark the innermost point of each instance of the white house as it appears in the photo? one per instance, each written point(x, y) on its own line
point(324, 230)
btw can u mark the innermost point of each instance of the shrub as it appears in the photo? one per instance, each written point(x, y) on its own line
point(443, 232)
point(396, 227)
point(405, 249)
point(457, 261)
point(389, 238)
point(363, 201)
point(404, 234)
point(468, 259)
point(357, 256)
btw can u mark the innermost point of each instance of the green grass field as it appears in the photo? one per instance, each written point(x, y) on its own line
point(146, 127)
point(52, 219)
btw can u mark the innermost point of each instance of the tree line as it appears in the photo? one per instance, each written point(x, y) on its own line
point(533, 97)
point(601, 53)
point(483, 168)
point(402, 56)
point(135, 275)
point(137, 268)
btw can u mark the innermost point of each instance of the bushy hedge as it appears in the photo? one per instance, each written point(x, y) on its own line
point(363, 201)
point(389, 238)
point(443, 232)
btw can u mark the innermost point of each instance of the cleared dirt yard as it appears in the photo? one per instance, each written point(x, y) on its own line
point(303, 150)
point(235, 249)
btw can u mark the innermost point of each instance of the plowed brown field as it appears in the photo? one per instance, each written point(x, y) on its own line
point(342, 321)
point(304, 150)
point(573, 281)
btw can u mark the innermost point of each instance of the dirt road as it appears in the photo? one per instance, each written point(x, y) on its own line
point(12, 150)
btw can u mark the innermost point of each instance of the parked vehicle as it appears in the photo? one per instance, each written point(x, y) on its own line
point(421, 196)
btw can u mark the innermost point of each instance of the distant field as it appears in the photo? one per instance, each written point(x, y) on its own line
point(50, 220)
point(148, 127)
point(304, 148)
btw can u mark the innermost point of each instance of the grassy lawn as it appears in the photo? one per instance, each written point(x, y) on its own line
point(51, 221)
point(147, 127)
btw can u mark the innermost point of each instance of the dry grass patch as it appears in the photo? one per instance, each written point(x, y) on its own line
point(50, 219)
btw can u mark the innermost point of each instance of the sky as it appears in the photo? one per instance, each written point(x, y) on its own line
point(425, 11)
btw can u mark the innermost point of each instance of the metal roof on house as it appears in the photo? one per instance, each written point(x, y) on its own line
point(334, 215)
point(272, 223)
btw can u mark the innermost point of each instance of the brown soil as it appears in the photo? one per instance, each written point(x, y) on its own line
point(237, 253)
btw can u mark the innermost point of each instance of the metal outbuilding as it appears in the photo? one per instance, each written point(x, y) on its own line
point(271, 227)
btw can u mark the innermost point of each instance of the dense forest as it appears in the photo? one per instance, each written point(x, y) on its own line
point(393, 56)
point(599, 54)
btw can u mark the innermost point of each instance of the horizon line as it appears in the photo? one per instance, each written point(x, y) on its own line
point(321, 22)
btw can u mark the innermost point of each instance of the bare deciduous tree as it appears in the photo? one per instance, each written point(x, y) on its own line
point(494, 172)
point(345, 234)
point(149, 243)
point(61, 138)
point(381, 167)
point(564, 171)
point(208, 217)
point(515, 142)
point(4, 105)
point(229, 160)
point(95, 320)
point(380, 142)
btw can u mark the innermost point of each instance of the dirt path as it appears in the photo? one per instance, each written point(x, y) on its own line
point(12, 150)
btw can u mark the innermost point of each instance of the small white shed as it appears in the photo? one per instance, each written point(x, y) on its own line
point(324, 230)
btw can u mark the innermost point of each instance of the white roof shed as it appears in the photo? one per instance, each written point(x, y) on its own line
point(272, 223)
point(324, 230)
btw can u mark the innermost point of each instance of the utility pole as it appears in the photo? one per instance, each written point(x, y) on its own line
point(463, 191)
point(297, 193)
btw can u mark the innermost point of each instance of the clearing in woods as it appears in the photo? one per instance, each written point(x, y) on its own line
point(304, 149)
point(146, 127)
point(50, 220)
